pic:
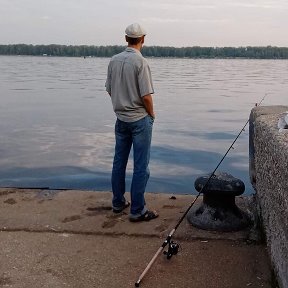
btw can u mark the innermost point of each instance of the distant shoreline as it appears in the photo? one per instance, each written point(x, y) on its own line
point(249, 52)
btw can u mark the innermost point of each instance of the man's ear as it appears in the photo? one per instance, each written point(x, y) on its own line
point(142, 40)
point(126, 38)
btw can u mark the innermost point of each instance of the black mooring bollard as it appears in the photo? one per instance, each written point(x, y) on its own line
point(218, 211)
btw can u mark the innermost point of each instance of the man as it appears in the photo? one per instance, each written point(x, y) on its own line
point(129, 83)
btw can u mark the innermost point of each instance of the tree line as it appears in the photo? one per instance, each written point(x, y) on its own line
point(267, 52)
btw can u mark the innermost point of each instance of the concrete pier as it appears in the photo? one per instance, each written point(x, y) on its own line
point(269, 176)
point(58, 239)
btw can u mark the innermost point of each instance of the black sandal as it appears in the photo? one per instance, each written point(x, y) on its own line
point(120, 209)
point(147, 216)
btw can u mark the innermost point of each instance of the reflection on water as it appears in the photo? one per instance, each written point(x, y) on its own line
point(56, 120)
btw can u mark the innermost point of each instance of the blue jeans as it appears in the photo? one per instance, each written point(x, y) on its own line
point(138, 134)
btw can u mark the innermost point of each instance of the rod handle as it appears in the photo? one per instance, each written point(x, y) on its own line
point(137, 284)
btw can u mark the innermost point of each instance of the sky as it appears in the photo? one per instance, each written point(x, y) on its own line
point(178, 23)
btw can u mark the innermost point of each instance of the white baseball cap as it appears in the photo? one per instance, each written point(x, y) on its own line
point(135, 31)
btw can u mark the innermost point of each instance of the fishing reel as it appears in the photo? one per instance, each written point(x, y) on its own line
point(173, 249)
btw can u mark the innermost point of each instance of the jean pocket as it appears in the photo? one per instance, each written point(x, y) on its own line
point(151, 119)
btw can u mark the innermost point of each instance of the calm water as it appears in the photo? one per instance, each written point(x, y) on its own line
point(56, 120)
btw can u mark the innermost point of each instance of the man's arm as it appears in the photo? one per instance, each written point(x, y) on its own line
point(108, 80)
point(148, 104)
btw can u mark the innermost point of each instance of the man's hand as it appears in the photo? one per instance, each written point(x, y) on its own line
point(148, 103)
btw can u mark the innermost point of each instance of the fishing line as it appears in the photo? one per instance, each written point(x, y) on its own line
point(173, 247)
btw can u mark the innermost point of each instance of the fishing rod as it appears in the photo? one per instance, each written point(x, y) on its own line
point(173, 247)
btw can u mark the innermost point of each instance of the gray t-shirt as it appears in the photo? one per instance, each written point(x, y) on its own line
point(128, 80)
